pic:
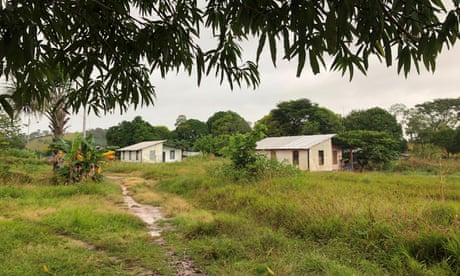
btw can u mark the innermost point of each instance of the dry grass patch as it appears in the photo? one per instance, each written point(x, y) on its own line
point(36, 214)
point(133, 181)
point(175, 206)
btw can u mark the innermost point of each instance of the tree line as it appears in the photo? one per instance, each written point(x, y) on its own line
point(375, 134)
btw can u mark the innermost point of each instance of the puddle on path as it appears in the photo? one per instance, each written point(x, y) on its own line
point(148, 214)
point(151, 215)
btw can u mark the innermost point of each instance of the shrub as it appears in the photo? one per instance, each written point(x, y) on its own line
point(80, 159)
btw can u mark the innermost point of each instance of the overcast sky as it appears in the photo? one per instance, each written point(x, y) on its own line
point(383, 87)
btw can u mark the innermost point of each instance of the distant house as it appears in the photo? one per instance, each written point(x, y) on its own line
point(150, 152)
point(311, 152)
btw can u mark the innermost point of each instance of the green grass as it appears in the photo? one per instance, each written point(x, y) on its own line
point(78, 229)
point(308, 224)
point(314, 223)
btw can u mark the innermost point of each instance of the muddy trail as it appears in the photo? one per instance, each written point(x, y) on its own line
point(151, 215)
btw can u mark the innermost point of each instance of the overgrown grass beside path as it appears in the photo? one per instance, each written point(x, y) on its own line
point(308, 223)
point(313, 223)
point(79, 229)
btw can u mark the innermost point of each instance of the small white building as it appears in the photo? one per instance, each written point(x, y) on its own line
point(308, 152)
point(150, 152)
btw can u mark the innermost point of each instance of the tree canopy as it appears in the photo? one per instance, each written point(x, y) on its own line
point(300, 117)
point(187, 132)
point(109, 48)
point(371, 149)
point(227, 122)
point(376, 119)
point(128, 133)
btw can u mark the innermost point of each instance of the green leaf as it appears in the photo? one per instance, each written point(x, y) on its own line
point(260, 47)
point(314, 62)
point(272, 42)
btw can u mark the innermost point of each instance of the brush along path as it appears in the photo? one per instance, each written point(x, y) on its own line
point(151, 215)
point(136, 269)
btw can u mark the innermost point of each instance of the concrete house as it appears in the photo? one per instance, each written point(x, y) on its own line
point(311, 152)
point(150, 152)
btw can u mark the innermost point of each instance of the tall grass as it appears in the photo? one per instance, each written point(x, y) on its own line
point(78, 229)
point(314, 223)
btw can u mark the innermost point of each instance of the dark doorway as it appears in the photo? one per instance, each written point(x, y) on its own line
point(295, 158)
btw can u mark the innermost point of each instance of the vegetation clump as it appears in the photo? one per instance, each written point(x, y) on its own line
point(80, 159)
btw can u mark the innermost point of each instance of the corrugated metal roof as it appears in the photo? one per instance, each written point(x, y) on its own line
point(141, 145)
point(292, 142)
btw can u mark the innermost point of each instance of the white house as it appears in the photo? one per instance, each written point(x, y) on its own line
point(150, 152)
point(311, 152)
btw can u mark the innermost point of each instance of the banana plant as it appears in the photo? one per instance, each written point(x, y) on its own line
point(80, 159)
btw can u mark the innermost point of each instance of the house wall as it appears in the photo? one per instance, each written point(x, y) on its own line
point(157, 157)
point(338, 165)
point(288, 157)
point(326, 148)
point(143, 155)
point(172, 157)
point(309, 159)
point(131, 156)
point(152, 154)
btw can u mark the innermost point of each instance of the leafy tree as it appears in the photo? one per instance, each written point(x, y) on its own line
point(448, 139)
point(376, 119)
point(180, 119)
point(128, 133)
point(422, 121)
point(370, 148)
point(322, 121)
point(440, 113)
point(300, 117)
point(10, 133)
point(185, 134)
point(108, 48)
point(241, 148)
point(212, 144)
point(227, 122)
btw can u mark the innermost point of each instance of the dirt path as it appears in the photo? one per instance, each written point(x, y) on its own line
point(151, 215)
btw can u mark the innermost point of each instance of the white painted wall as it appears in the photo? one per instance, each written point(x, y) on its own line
point(309, 159)
point(152, 154)
point(172, 154)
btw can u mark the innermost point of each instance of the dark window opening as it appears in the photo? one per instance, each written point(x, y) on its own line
point(321, 157)
point(295, 158)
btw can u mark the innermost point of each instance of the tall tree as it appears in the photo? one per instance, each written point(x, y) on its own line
point(109, 47)
point(427, 118)
point(128, 133)
point(440, 113)
point(376, 119)
point(371, 149)
point(448, 139)
point(188, 132)
point(227, 122)
point(10, 133)
point(300, 117)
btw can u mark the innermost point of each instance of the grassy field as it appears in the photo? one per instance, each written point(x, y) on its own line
point(311, 223)
point(70, 230)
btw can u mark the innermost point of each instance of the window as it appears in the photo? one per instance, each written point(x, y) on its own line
point(295, 158)
point(172, 155)
point(273, 155)
point(129, 155)
point(123, 155)
point(152, 155)
point(321, 157)
point(137, 154)
point(335, 158)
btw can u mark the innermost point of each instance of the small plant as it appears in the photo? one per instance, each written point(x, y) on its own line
point(80, 159)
